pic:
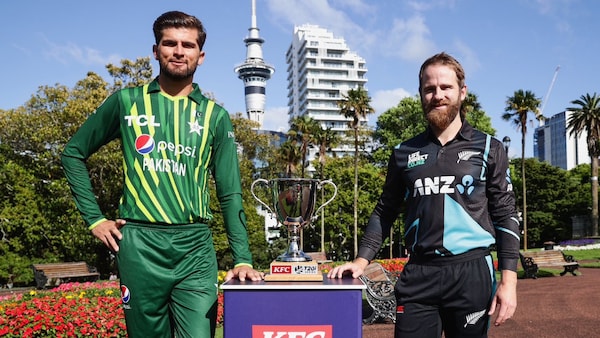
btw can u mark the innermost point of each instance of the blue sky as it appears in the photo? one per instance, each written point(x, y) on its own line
point(503, 45)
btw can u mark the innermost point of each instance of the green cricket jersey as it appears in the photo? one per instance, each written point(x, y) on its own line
point(170, 147)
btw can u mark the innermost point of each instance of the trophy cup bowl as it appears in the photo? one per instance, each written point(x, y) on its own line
point(293, 202)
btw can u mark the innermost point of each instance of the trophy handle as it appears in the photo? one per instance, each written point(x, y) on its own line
point(321, 184)
point(260, 180)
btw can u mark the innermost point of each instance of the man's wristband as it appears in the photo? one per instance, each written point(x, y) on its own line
point(95, 224)
point(243, 264)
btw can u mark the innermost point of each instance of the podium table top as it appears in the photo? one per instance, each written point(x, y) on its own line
point(346, 283)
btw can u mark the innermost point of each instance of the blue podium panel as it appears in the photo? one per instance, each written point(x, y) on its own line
point(331, 308)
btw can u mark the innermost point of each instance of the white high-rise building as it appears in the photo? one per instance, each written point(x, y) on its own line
point(321, 68)
point(553, 143)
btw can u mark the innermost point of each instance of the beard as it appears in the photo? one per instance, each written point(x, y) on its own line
point(178, 74)
point(439, 119)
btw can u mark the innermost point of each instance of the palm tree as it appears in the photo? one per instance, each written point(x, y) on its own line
point(586, 118)
point(517, 109)
point(472, 111)
point(470, 104)
point(325, 138)
point(355, 105)
point(303, 129)
point(289, 154)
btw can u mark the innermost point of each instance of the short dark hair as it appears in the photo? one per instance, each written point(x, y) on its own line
point(176, 19)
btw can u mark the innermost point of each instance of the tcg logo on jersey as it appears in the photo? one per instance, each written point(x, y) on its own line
point(144, 144)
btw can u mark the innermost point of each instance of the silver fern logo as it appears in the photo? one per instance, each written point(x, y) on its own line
point(466, 155)
point(472, 318)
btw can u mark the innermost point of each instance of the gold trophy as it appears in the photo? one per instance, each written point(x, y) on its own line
point(293, 200)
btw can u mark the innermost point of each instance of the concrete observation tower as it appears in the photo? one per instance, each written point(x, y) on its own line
point(255, 73)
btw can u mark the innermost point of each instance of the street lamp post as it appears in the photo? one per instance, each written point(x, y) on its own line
point(506, 141)
point(523, 218)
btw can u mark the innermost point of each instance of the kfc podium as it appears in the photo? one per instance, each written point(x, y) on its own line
point(307, 309)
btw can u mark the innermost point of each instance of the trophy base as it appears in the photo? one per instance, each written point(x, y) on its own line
point(294, 256)
point(294, 271)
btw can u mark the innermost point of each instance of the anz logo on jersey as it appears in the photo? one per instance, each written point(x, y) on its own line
point(443, 185)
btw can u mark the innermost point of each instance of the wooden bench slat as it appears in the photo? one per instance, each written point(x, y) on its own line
point(319, 256)
point(532, 260)
point(58, 272)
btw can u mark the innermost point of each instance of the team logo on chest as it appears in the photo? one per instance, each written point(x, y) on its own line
point(195, 127)
point(466, 155)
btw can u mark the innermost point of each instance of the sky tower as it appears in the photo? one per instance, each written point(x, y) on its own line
point(255, 73)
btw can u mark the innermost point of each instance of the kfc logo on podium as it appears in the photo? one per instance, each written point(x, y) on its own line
point(287, 269)
point(292, 331)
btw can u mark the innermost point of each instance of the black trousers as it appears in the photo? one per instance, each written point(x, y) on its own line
point(452, 296)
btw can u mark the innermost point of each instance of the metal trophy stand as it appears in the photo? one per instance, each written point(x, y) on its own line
point(293, 202)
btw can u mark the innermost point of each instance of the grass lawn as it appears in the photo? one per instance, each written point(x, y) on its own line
point(586, 258)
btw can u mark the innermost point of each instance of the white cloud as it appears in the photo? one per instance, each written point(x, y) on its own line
point(276, 119)
point(356, 6)
point(83, 55)
point(409, 40)
point(467, 57)
point(422, 6)
point(324, 14)
point(385, 99)
point(307, 11)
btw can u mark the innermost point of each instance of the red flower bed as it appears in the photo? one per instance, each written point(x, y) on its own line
point(394, 265)
point(87, 309)
point(70, 310)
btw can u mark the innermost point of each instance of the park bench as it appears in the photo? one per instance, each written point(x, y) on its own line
point(533, 260)
point(380, 292)
point(319, 257)
point(56, 273)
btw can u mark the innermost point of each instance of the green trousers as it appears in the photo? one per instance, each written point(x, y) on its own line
point(168, 278)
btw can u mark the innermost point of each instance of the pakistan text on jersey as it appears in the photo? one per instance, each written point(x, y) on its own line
point(164, 165)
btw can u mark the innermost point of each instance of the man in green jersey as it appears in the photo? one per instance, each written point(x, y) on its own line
point(173, 138)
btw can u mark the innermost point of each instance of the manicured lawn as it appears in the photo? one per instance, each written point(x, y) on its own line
point(586, 258)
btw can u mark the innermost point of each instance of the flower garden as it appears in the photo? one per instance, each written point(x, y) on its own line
point(69, 310)
point(86, 309)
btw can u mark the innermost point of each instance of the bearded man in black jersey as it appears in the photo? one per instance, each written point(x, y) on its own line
point(454, 185)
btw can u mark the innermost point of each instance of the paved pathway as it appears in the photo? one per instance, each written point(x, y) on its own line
point(549, 307)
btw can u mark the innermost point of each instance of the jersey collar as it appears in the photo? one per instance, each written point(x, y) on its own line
point(195, 95)
point(465, 132)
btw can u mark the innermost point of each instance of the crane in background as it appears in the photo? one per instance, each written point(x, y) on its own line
point(548, 94)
